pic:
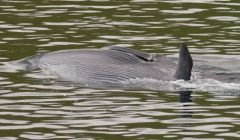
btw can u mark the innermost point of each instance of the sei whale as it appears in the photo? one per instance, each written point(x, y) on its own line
point(111, 65)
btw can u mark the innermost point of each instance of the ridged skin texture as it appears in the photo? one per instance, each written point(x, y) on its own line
point(105, 66)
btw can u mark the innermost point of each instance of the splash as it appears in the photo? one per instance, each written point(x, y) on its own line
point(203, 85)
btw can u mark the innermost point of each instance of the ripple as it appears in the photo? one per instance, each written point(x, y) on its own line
point(54, 87)
point(193, 24)
point(233, 27)
point(227, 41)
point(224, 18)
point(18, 10)
point(102, 122)
point(86, 11)
point(188, 11)
point(180, 19)
point(14, 1)
point(126, 24)
point(78, 6)
point(222, 8)
point(32, 126)
point(133, 38)
point(206, 120)
point(142, 131)
point(9, 26)
point(21, 31)
point(8, 39)
point(192, 138)
point(4, 121)
point(209, 128)
point(98, 41)
point(144, 1)
point(59, 44)
point(236, 135)
point(196, 1)
point(8, 138)
point(62, 23)
point(53, 11)
point(6, 6)
point(40, 94)
point(36, 28)
point(39, 136)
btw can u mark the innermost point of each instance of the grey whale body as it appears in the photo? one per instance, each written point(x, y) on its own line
point(111, 65)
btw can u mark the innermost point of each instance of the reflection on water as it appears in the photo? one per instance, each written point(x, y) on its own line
point(34, 106)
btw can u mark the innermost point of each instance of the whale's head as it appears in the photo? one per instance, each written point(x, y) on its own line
point(185, 63)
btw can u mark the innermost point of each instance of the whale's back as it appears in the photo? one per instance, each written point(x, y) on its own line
point(104, 66)
point(111, 65)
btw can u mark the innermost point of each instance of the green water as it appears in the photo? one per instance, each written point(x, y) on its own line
point(34, 106)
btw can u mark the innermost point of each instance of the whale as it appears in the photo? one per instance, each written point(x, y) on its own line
point(111, 65)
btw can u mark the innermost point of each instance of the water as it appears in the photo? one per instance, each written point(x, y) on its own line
point(36, 106)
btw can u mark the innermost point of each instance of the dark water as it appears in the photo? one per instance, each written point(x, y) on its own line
point(35, 106)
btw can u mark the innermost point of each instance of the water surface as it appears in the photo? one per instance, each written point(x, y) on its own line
point(36, 106)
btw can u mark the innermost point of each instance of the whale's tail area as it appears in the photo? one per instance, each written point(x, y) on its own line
point(185, 63)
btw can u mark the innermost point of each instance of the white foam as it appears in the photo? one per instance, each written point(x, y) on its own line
point(202, 85)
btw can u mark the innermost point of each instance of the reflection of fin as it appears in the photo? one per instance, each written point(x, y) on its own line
point(185, 63)
point(142, 55)
point(31, 62)
point(185, 97)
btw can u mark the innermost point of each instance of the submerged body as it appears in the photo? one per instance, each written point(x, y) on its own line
point(111, 65)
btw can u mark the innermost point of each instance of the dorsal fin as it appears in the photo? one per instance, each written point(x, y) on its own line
point(185, 63)
point(142, 55)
